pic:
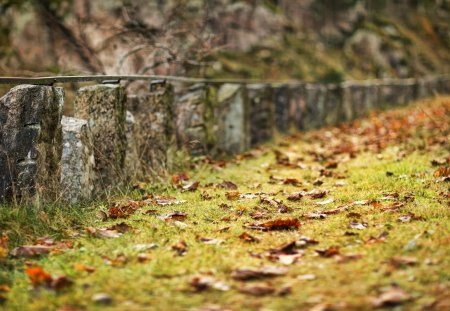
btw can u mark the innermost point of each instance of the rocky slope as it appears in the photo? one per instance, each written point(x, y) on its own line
point(312, 39)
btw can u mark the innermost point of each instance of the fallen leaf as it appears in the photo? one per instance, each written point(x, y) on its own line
point(102, 298)
point(83, 268)
point(163, 201)
point(391, 297)
point(347, 258)
point(38, 276)
point(142, 257)
point(325, 202)
point(145, 247)
point(380, 238)
point(227, 185)
point(248, 196)
point(277, 224)
point(257, 290)
point(245, 274)
point(124, 209)
point(192, 186)
point(401, 261)
point(102, 232)
point(442, 172)
point(363, 202)
point(306, 277)
point(328, 252)
point(232, 195)
point(60, 282)
point(210, 241)
point(205, 196)
point(296, 196)
point(120, 227)
point(204, 282)
point(31, 250)
point(175, 215)
point(179, 178)
point(315, 215)
point(409, 217)
point(249, 238)
point(180, 248)
point(317, 182)
point(292, 181)
point(358, 225)
point(316, 194)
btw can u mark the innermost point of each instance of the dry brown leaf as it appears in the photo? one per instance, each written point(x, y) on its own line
point(391, 297)
point(192, 186)
point(232, 195)
point(248, 237)
point(328, 252)
point(277, 224)
point(227, 185)
point(180, 248)
point(31, 250)
point(401, 261)
point(246, 274)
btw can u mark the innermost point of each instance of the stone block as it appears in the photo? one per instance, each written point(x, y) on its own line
point(132, 162)
point(333, 105)
point(231, 113)
point(282, 103)
point(103, 106)
point(195, 124)
point(297, 105)
point(77, 161)
point(30, 142)
point(154, 115)
point(389, 94)
point(262, 113)
point(315, 101)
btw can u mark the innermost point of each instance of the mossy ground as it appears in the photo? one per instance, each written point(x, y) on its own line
point(163, 281)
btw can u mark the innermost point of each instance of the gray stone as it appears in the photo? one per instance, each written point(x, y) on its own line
point(104, 108)
point(195, 120)
point(297, 105)
point(231, 113)
point(77, 162)
point(261, 113)
point(333, 105)
point(154, 115)
point(30, 142)
point(132, 163)
point(443, 85)
point(282, 105)
point(315, 101)
point(389, 94)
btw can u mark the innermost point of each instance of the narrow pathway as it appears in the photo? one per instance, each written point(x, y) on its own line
point(346, 218)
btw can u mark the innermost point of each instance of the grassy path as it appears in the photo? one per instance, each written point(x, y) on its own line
point(348, 218)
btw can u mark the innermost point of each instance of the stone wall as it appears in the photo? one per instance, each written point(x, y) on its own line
point(116, 139)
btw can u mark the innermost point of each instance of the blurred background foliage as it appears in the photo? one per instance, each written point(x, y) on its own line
point(322, 40)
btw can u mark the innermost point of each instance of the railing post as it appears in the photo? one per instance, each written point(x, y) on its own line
point(282, 99)
point(195, 120)
point(231, 113)
point(103, 106)
point(155, 139)
point(77, 162)
point(261, 113)
point(30, 142)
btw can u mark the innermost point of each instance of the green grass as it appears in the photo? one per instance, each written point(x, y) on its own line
point(162, 283)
